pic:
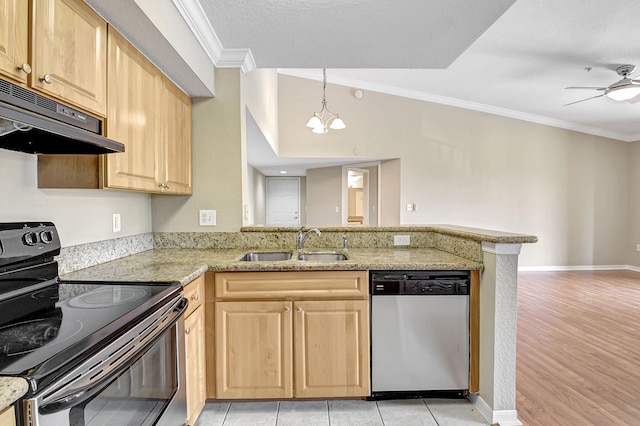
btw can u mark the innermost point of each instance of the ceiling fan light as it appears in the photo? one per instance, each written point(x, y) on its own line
point(337, 124)
point(314, 122)
point(623, 93)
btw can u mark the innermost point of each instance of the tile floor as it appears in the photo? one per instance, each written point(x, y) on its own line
point(406, 412)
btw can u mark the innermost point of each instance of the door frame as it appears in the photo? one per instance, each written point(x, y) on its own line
point(361, 167)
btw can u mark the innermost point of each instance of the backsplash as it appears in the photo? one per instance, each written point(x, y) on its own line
point(90, 254)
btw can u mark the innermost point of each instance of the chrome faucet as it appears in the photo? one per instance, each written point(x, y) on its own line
point(301, 238)
point(344, 243)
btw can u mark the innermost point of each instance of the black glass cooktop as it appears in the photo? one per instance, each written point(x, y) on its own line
point(65, 322)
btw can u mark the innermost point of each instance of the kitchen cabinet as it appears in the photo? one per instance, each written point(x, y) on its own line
point(14, 38)
point(195, 350)
point(307, 338)
point(175, 167)
point(150, 115)
point(152, 118)
point(8, 416)
point(69, 53)
point(134, 98)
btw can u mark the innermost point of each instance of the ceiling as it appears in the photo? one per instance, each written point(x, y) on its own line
point(518, 67)
point(507, 57)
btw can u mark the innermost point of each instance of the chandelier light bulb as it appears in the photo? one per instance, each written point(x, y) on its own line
point(337, 124)
point(314, 122)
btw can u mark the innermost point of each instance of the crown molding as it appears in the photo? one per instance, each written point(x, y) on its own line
point(475, 106)
point(194, 16)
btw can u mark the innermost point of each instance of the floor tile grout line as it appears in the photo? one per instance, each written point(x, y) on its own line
point(277, 413)
point(379, 413)
point(430, 412)
point(226, 413)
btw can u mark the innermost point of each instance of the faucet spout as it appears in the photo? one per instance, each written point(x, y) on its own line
point(302, 237)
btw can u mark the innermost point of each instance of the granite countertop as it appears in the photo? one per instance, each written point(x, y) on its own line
point(184, 265)
point(11, 389)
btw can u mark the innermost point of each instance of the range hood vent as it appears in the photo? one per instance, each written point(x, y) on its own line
point(34, 124)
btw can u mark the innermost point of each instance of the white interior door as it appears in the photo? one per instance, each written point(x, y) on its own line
point(283, 201)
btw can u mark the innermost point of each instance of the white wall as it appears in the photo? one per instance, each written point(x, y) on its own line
point(634, 204)
point(81, 216)
point(475, 169)
point(256, 211)
point(324, 195)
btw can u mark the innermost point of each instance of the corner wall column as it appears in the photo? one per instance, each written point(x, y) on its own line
point(498, 314)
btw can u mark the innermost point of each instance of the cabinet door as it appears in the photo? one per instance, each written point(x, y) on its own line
point(195, 362)
point(8, 417)
point(69, 46)
point(253, 350)
point(331, 348)
point(176, 149)
point(134, 98)
point(14, 37)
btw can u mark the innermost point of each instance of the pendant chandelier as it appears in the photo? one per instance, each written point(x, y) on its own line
point(324, 120)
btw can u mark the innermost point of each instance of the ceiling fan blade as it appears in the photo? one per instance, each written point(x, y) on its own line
point(592, 88)
point(582, 100)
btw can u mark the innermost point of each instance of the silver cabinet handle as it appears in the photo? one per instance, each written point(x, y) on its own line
point(26, 68)
point(187, 330)
point(286, 309)
point(299, 309)
point(47, 79)
point(195, 297)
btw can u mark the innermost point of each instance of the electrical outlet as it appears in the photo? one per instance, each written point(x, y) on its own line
point(401, 240)
point(637, 247)
point(207, 217)
point(116, 223)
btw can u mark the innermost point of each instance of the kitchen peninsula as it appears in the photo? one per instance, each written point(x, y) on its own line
point(185, 257)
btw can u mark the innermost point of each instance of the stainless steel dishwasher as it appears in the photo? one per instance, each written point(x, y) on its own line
point(419, 334)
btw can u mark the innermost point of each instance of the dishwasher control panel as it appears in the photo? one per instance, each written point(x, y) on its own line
point(420, 282)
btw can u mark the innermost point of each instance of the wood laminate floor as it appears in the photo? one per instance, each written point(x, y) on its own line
point(578, 354)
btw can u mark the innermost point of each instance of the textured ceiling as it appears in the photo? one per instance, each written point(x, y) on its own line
point(352, 33)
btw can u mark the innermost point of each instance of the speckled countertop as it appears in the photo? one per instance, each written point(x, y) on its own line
point(11, 389)
point(183, 265)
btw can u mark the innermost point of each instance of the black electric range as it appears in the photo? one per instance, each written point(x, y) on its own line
point(48, 326)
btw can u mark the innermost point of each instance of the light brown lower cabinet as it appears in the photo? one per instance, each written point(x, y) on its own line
point(292, 348)
point(195, 350)
point(8, 416)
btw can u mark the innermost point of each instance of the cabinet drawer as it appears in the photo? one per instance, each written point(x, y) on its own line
point(299, 285)
point(194, 292)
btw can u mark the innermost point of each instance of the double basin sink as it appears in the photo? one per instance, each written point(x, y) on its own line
point(323, 256)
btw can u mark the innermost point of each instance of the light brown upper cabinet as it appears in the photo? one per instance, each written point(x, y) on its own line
point(175, 167)
point(134, 104)
point(14, 38)
point(152, 118)
point(69, 53)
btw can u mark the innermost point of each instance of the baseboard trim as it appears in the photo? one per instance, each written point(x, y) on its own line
point(577, 268)
point(502, 417)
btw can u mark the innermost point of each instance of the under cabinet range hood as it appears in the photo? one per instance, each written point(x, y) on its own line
point(35, 124)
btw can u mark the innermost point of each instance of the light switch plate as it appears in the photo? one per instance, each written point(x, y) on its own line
point(116, 224)
point(207, 217)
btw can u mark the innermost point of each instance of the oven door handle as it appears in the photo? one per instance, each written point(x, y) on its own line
point(82, 394)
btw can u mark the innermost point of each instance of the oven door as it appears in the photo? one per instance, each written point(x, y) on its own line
point(138, 380)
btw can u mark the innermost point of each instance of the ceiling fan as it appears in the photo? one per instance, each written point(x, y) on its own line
point(626, 89)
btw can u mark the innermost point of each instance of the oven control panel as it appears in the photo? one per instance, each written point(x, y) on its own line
point(27, 241)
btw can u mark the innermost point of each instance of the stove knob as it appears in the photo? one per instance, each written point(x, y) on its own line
point(46, 236)
point(30, 238)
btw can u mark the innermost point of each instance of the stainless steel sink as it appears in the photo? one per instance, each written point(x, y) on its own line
point(273, 256)
point(322, 257)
